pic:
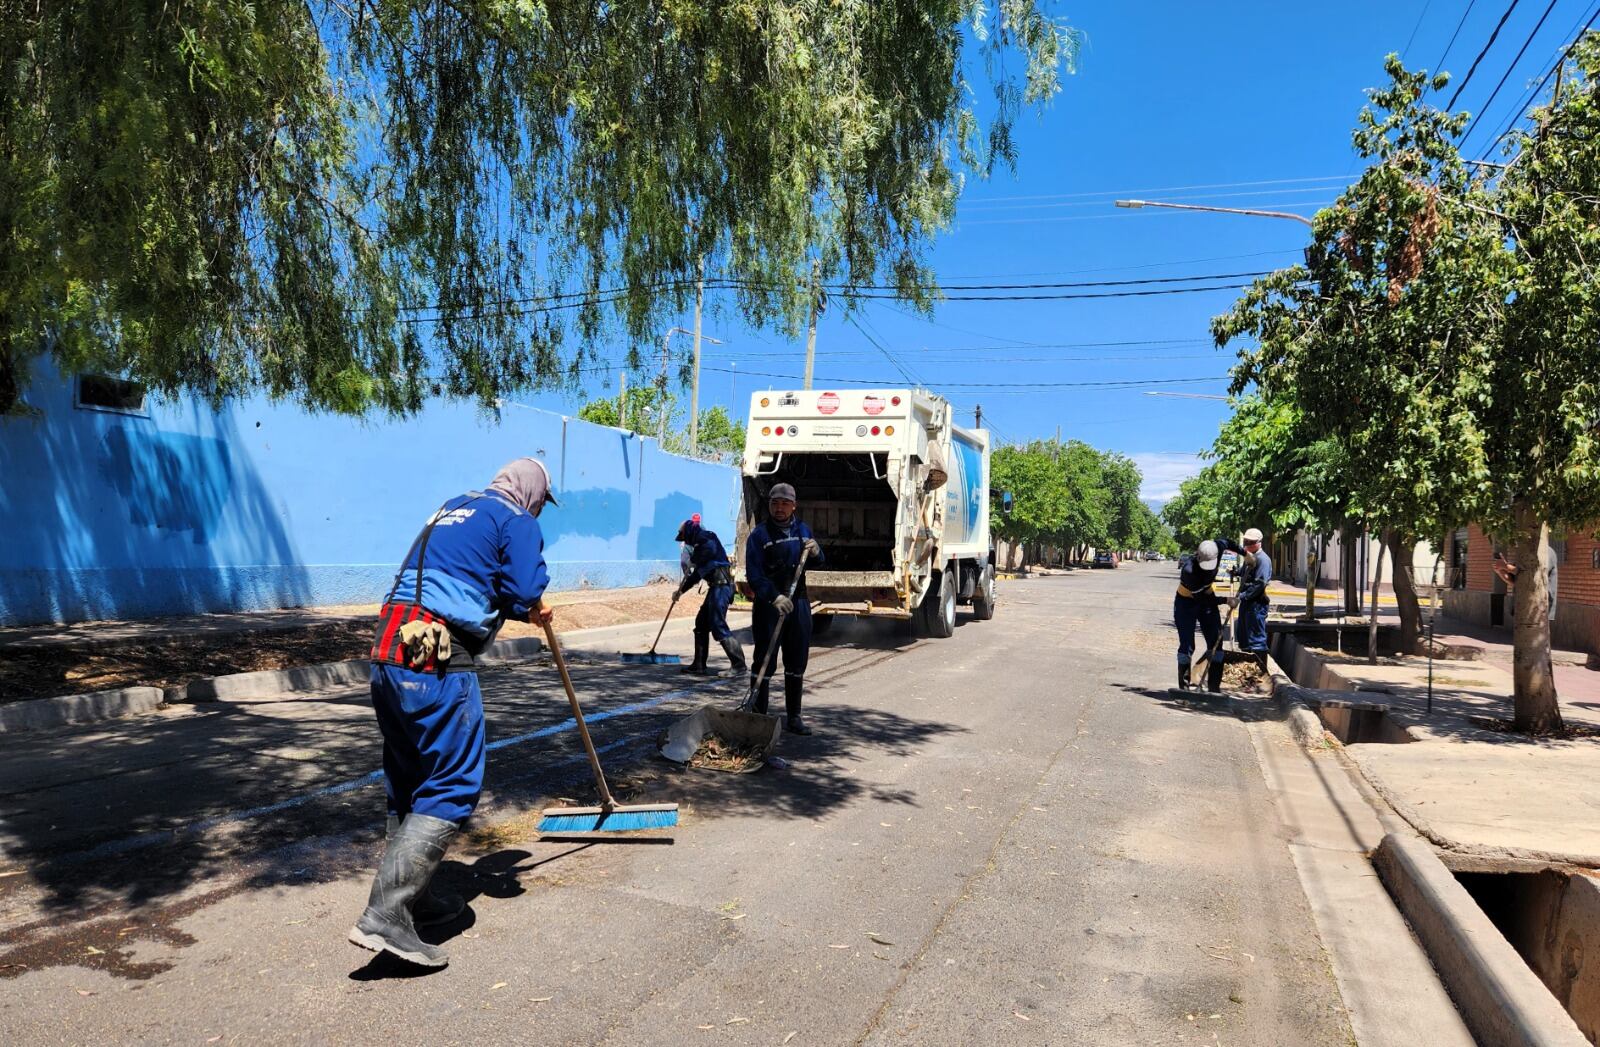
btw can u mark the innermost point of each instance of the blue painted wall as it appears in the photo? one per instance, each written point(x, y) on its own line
point(260, 505)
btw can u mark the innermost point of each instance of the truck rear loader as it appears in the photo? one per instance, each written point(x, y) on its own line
point(896, 493)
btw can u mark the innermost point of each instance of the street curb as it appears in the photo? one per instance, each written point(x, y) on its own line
point(1499, 996)
point(78, 708)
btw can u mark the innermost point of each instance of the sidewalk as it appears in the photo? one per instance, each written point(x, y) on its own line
point(1462, 782)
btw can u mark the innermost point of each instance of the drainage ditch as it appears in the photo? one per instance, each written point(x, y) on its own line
point(1358, 724)
point(1552, 919)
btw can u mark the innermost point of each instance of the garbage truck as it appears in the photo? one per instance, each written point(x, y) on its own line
point(896, 492)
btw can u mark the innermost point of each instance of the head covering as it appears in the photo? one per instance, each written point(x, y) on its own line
point(524, 482)
point(1207, 555)
point(690, 530)
point(1252, 535)
point(784, 491)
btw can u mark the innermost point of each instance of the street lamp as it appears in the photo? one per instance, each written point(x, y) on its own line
point(1136, 204)
point(661, 382)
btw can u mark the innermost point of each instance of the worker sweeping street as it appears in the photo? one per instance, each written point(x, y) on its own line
point(772, 557)
point(1196, 603)
point(1255, 571)
point(478, 562)
point(708, 562)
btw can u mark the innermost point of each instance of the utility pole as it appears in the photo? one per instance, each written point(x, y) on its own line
point(1056, 455)
point(661, 387)
point(694, 388)
point(977, 413)
point(811, 328)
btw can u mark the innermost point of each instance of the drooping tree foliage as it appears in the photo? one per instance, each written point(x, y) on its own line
point(356, 202)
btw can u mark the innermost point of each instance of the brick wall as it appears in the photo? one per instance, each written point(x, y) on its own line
point(1579, 580)
point(1480, 554)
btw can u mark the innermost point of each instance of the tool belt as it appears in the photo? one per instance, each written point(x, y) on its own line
point(390, 647)
point(1192, 593)
point(720, 576)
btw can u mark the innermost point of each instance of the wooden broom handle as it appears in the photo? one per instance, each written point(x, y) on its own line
point(577, 714)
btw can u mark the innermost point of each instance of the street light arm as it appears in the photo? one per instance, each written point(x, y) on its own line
point(1136, 204)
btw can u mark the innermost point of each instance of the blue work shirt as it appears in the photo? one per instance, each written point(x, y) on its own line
point(484, 561)
point(1255, 572)
point(706, 553)
point(771, 554)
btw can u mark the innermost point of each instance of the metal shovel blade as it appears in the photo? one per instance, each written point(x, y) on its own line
point(651, 659)
point(740, 729)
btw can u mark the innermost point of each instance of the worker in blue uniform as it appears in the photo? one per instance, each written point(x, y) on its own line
point(1255, 571)
point(772, 556)
point(477, 562)
point(708, 562)
point(1196, 602)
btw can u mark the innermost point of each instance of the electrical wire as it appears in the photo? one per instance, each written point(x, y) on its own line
point(1162, 189)
point(1407, 49)
point(1577, 33)
point(1440, 63)
point(1492, 36)
point(1507, 74)
point(1124, 383)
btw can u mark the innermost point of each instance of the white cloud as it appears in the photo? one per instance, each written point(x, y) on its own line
point(1163, 471)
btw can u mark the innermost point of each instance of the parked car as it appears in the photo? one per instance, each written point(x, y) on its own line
point(1105, 559)
point(1152, 557)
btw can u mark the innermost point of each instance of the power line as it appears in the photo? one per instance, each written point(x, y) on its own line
point(1468, 78)
point(998, 205)
point(1122, 268)
point(1406, 50)
point(1507, 75)
point(1126, 383)
point(1279, 204)
point(1161, 189)
point(1440, 63)
point(1071, 284)
point(1576, 33)
point(1056, 297)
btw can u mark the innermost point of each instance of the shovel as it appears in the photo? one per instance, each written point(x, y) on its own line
point(740, 726)
point(651, 657)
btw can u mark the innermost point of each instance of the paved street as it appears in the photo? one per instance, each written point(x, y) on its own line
point(1008, 836)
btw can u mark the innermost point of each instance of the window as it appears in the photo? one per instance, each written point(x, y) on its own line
point(1458, 559)
point(101, 392)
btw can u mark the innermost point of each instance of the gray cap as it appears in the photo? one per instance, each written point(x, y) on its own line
point(784, 491)
point(1252, 535)
point(1207, 555)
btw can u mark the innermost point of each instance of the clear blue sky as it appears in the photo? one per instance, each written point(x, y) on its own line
point(1167, 95)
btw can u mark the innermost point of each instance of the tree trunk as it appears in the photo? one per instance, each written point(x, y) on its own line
point(1537, 711)
point(1347, 569)
point(1313, 572)
point(1402, 553)
point(1372, 619)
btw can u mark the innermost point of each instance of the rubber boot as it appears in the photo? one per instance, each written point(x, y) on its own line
point(793, 688)
point(735, 653)
point(1214, 678)
point(702, 650)
point(409, 861)
point(1183, 676)
point(435, 906)
point(763, 694)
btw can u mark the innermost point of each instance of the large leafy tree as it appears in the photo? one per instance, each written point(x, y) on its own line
point(359, 203)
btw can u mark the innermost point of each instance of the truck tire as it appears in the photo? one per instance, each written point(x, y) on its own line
point(938, 608)
point(983, 600)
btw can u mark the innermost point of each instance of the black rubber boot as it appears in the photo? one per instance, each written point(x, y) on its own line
point(435, 906)
point(763, 695)
point(1214, 678)
point(1183, 676)
point(414, 853)
point(793, 688)
point(702, 650)
point(735, 653)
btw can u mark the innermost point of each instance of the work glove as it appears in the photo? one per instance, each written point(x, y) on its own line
point(682, 588)
point(811, 548)
point(782, 604)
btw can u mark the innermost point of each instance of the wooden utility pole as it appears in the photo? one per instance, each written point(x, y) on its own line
point(694, 386)
point(811, 328)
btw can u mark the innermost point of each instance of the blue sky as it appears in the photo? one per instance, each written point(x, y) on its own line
point(1236, 104)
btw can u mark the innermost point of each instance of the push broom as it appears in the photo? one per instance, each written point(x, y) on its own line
point(651, 657)
point(610, 816)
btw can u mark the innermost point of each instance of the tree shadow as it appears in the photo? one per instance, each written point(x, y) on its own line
point(1204, 703)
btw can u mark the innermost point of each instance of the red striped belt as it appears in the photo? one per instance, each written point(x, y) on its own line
point(387, 647)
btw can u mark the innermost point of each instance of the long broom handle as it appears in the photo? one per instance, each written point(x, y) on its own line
point(1222, 634)
point(577, 714)
point(772, 644)
point(664, 618)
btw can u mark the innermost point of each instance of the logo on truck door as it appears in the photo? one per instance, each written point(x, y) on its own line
point(828, 403)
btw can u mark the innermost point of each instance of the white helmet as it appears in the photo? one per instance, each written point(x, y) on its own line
point(1207, 555)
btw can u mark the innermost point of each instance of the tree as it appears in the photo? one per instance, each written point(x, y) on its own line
point(357, 204)
point(719, 434)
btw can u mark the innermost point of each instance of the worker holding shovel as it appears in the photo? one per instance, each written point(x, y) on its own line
point(479, 561)
point(1196, 602)
point(1255, 571)
point(708, 562)
point(773, 556)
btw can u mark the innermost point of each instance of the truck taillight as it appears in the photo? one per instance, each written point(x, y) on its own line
point(765, 402)
point(888, 430)
point(874, 430)
point(766, 430)
point(894, 401)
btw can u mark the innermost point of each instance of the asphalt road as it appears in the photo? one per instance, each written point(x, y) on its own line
point(1008, 836)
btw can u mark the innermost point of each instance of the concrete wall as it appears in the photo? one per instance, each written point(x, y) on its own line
point(181, 509)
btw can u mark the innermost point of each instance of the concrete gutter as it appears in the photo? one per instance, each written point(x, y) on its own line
point(78, 708)
point(1499, 996)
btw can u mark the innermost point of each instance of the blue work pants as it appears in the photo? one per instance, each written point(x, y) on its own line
point(794, 641)
point(1251, 628)
point(713, 616)
point(433, 740)
point(1186, 612)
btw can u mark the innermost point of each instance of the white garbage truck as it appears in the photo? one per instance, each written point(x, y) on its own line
point(896, 492)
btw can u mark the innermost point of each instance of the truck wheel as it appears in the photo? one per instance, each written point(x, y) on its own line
point(983, 600)
point(939, 607)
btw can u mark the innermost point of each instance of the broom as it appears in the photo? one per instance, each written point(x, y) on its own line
point(609, 816)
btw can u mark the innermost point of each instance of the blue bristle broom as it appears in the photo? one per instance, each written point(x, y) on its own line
point(609, 816)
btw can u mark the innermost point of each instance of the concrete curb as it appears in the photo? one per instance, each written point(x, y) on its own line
point(1499, 996)
point(78, 708)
